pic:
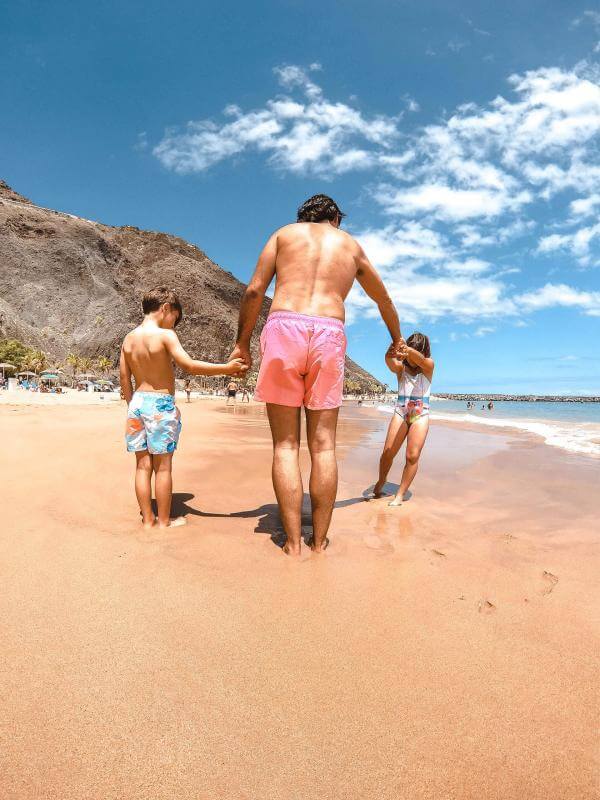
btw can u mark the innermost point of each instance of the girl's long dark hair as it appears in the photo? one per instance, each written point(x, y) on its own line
point(420, 343)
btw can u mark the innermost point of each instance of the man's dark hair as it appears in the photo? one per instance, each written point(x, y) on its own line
point(156, 298)
point(420, 343)
point(319, 207)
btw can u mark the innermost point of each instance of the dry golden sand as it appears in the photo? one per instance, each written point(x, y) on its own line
point(444, 650)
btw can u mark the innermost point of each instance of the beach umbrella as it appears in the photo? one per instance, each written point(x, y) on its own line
point(87, 376)
point(27, 374)
point(6, 366)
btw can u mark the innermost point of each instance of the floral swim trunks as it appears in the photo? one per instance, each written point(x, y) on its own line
point(153, 423)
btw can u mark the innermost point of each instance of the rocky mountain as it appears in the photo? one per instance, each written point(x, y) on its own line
point(69, 284)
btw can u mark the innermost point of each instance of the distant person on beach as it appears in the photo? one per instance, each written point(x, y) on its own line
point(414, 367)
point(188, 390)
point(303, 345)
point(245, 395)
point(232, 388)
point(153, 419)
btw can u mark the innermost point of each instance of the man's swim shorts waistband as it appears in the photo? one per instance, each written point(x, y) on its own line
point(308, 319)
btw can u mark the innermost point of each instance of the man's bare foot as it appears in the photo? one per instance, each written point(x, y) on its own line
point(146, 525)
point(291, 550)
point(176, 522)
point(397, 501)
point(317, 548)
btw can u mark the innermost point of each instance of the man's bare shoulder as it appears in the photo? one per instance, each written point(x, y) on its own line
point(291, 229)
point(303, 229)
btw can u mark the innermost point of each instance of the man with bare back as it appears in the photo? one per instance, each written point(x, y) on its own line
point(303, 346)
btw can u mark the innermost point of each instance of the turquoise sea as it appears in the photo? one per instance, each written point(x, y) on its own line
point(574, 427)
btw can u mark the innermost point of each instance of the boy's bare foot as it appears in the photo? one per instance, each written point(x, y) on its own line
point(289, 550)
point(397, 501)
point(176, 522)
point(146, 525)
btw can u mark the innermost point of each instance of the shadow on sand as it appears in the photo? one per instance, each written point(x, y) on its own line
point(269, 519)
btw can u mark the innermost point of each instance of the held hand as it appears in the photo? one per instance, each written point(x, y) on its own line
point(397, 349)
point(236, 367)
point(242, 352)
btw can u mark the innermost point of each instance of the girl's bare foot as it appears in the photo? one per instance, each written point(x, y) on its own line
point(397, 501)
point(173, 523)
point(378, 489)
point(146, 525)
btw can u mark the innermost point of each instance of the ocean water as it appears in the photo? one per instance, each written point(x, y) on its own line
point(574, 427)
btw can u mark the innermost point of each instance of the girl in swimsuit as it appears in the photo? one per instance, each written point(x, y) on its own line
point(414, 368)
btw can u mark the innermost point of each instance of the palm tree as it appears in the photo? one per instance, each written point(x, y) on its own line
point(73, 360)
point(104, 365)
point(39, 360)
point(27, 362)
point(85, 364)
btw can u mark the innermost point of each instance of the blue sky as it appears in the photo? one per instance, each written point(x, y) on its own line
point(462, 140)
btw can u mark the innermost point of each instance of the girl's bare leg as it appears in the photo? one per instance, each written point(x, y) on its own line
point(417, 433)
point(393, 442)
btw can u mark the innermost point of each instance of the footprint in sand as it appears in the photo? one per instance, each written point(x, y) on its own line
point(438, 553)
point(550, 582)
point(486, 607)
point(372, 541)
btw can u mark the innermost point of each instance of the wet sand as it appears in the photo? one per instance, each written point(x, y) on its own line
point(443, 650)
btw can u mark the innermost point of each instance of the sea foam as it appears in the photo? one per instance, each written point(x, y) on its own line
point(576, 437)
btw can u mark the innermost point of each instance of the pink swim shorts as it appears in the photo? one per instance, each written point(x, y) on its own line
point(302, 361)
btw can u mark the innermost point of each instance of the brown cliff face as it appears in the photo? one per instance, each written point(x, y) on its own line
point(68, 284)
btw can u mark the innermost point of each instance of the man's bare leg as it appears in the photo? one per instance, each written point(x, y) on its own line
point(287, 480)
point(163, 485)
point(143, 487)
point(321, 429)
point(393, 442)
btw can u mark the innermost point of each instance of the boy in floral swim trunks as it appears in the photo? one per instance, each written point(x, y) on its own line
point(153, 419)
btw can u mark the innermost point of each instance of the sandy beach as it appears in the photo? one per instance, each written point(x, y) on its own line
point(444, 650)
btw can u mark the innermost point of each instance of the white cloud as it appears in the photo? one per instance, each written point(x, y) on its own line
point(585, 206)
point(412, 243)
point(303, 134)
point(560, 295)
point(456, 45)
point(411, 104)
point(484, 330)
point(589, 17)
point(450, 192)
point(141, 143)
point(495, 160)
point(579, 243)
point(447, 203)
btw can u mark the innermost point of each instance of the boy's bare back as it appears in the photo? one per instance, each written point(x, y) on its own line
point(147, 354)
